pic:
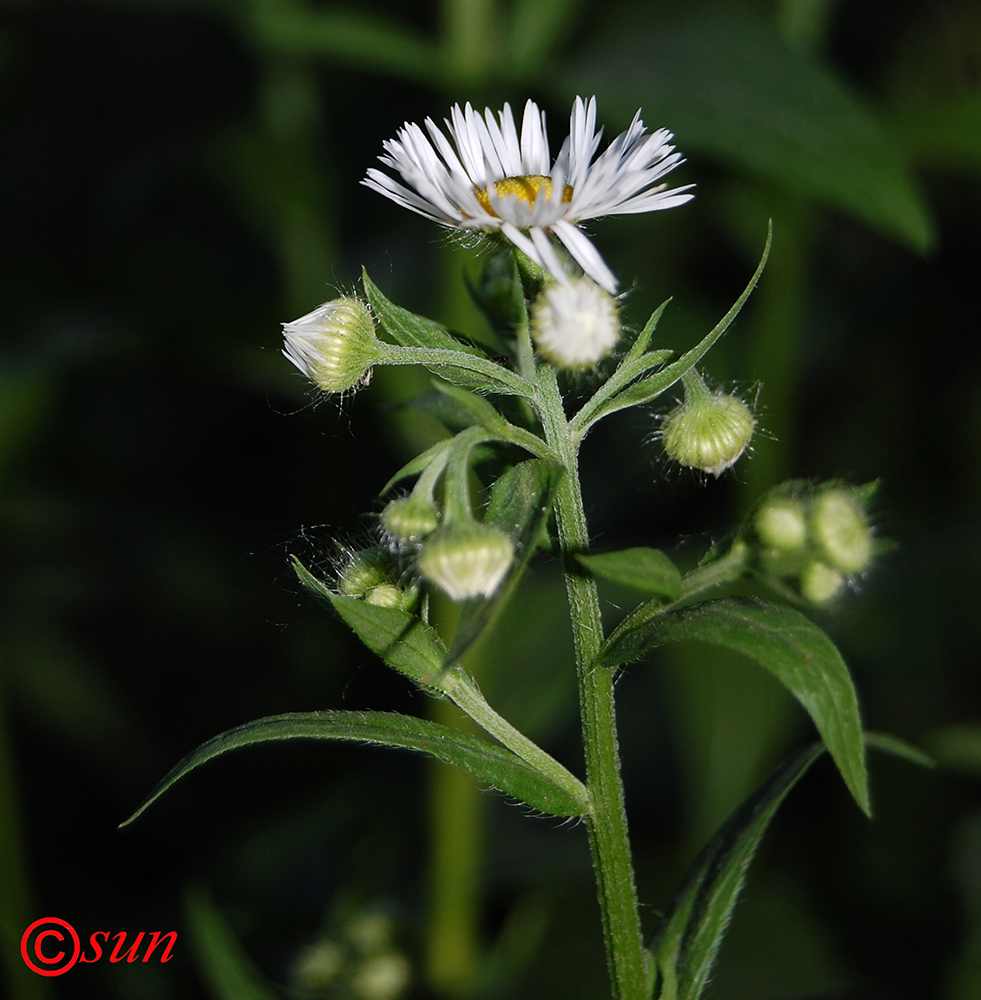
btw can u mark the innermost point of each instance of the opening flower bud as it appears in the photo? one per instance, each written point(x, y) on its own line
point(334, 346)
point(820, 583)
point(781, 524)
point(574, 325)
point(410, 519)
point(467, 559)
point(841, 530)
point(708, 431)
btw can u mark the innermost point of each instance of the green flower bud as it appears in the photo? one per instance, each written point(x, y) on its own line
point(362, 571)
point(467, 559)
point(781, 524)
point(390, 595)
point(410, 519)
point(574, 324)
point(334, 346)
point(820, 583)
point(317, 966)
point(708, 431)
point(381, 977)
point(840, 530)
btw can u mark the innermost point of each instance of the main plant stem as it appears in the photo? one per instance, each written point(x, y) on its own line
point(606, 820)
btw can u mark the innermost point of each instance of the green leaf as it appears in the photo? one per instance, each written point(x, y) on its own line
point(781, 640)
point(519, 505)
point(489, 763)
point(650, 388)
point(729, 88)
point(498, 292)
point(688, 942)
point(409, 329)
point(406, 643)
point(647, 570)
point(943, 132)
point(359, 39)
point(638, 347)
point(606, 401)
point(225, 965)
point(486, 415)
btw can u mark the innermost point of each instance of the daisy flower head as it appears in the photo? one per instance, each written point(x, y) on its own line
point(489, 178)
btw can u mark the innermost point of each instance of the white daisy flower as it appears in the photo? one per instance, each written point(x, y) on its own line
point(489, 179)
point(575, 324)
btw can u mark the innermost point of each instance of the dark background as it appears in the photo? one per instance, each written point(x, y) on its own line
point(176, 179)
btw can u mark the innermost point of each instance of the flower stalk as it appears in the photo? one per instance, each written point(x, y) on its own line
point(606, 820)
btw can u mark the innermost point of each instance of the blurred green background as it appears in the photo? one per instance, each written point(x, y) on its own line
point(176, 179)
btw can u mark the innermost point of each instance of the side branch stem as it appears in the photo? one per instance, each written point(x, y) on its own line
point(606, 820)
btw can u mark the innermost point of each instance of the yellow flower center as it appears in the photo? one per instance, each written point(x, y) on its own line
point(525, 187)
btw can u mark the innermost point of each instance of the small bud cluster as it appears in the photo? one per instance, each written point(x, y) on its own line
point(362, 962)
point(709, 430)
point(372, 576)
point(464, 557)
point(819, 537)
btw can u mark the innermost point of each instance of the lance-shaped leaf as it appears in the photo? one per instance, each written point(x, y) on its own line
point(783, 641)
point(222, 960)
point(688, 941)
point(423, 341)
point(647, 570)
point(488, 763)
point(408, 328)
point(647, 389)
point(414, 649)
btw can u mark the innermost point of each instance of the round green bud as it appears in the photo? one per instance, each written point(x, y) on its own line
point(391, 595)
point(384, 595)
point(335, 345)
point(318, 965)
point(370, 931)
point(708, 431)
point(781, 524)
point(840, 530)
point(466, 559)
point(381, 977)
point(362, 572)
point(820, 583)
point(410, 519)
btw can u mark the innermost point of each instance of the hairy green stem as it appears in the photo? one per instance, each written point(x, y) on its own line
point(464, 693)
point(606, 820)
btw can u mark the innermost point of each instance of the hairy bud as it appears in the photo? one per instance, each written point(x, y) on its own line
point(574, 325)
point(708, 431)
point(467, 559)
point(334, 346)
